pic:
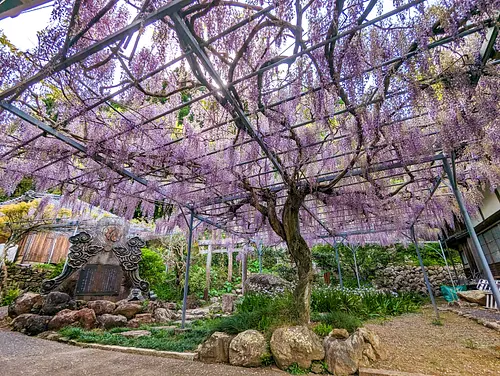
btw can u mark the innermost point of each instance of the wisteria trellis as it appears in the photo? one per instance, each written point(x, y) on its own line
point(292, 119)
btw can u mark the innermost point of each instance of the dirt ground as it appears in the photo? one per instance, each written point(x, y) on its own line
point(459, 347)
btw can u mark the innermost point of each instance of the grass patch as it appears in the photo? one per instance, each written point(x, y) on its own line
point(260, 312)
point(437, 322)
point(339, 320)
point(364, 303)
point(322, 329)
point(164, 340)
point(295, 369)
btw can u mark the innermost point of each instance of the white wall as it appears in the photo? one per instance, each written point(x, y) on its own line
point(11, 253)
point(490, 206)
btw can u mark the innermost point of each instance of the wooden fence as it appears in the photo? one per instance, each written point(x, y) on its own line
point(45, 247)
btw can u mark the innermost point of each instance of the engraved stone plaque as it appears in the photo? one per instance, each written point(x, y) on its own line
point(98, 280)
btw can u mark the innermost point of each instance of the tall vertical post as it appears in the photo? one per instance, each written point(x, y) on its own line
point(259, 251)
point(336, 246)
point(208, 267)
point(229, 265)
point(447, 266)
point(450, 256)
point(244, 270)
point(356, 265)
point(426, 278)
point(472, 232)
point(188, 262)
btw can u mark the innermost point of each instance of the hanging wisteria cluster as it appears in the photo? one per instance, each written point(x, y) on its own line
point(292, 119)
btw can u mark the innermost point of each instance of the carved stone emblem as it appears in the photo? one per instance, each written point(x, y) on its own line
point(111, 237)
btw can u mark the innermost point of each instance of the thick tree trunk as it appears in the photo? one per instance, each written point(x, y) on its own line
point(301, 254)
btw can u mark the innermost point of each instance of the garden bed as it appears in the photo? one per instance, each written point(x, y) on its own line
point(332, 308)
point(160, 339)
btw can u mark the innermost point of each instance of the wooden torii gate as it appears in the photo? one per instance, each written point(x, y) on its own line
point(209, 247)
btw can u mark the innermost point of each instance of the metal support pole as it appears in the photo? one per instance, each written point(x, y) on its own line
point(338, 263)
point(356, 265)
point(188, 261)
point(447, 266)
point(470, 228)
point(426, 278)
point(453, 263)
point(259, 251)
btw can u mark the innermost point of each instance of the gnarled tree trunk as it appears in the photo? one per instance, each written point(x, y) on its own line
point(301, 254)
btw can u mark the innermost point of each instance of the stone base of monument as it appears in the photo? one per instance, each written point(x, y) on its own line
point(33, 314)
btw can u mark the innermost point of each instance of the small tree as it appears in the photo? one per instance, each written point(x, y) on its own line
point(20, 219)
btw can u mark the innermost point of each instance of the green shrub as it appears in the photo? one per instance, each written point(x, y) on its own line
point(10, 296)
point(58, 268)
point(267, 360)
point(364, 303)
point(340, 320)
point(322, 329)
point(260, 312)
point(295, 369)
point(151, 267)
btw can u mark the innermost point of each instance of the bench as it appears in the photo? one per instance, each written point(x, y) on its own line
point(484, 285)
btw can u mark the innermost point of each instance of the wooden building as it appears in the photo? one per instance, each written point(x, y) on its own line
point(487, 226)
point(43, 247)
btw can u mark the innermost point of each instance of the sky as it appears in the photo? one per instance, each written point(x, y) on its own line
point(22, 29)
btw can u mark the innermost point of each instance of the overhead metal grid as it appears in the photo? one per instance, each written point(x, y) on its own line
point(419, 178)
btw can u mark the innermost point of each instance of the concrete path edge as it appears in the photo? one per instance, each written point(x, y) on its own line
point(135, 350)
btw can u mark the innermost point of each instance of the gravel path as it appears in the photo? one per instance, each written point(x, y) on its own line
point(483, 313)
point(28, 356)
point(461, 347)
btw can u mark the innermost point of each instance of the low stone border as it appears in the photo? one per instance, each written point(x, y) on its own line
point(383, 372)
point(135, 350)
point(489, 324)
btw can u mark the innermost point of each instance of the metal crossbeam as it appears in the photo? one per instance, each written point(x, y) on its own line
point(160, 13)
point(188, 38)
point(102, 160)
point(354, 172)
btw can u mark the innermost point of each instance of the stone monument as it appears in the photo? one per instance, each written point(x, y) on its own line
point(104, 263)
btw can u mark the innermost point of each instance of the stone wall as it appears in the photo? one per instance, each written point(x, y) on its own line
point(410, 278)
point(25, 278)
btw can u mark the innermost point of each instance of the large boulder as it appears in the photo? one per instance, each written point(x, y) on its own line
point(56, 301)
point(297, 344)
point(163, 315)
point(345, 356)
point(127, 309)
point(136, 333)
point(84, 318)
point(28, 302)
point(140, 319)
point(266, 283)
point(101, 307)
point(247, 349)
point(215, 349)
point(31, 323)
point(473, 296)
point(87, 318)
point(108, 321)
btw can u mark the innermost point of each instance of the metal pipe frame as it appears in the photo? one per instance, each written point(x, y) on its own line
point(201, 55)
point(188, 262)
point(426, 277)
point(166, 10)
point(339, 269)
point(472, 232)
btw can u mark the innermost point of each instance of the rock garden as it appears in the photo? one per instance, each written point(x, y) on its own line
point(258, 329)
